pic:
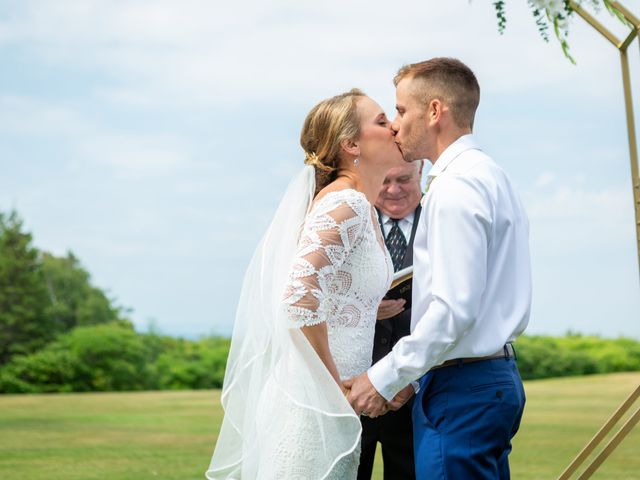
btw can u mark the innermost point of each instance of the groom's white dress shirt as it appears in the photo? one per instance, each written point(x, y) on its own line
point(472, 273)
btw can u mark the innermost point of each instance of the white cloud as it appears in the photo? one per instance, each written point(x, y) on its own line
point(572, 202)
point(584, 259)
point(129, 154)
point(134, 155)
point(571, 219)
point(545, 179)
point(207, 53)
point(22, 115)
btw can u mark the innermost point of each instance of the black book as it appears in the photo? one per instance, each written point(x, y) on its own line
point(401, 286)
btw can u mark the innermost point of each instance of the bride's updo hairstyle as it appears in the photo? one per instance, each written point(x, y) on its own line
point(329, 123)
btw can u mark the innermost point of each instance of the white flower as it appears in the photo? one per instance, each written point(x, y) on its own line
point(552, 7)
point(555, 11)
point(563, 23)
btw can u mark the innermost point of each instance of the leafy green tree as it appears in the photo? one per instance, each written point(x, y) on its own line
point(74, 301)
point(24, 300)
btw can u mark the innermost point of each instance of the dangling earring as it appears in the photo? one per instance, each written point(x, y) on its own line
point(356, 161)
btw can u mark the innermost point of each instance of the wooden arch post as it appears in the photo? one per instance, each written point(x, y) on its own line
point(622, 46)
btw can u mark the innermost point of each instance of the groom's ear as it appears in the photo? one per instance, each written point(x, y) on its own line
point(351, 147)
point(434, 111)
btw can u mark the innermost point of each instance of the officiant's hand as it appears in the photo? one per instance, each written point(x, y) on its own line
point(363, 396)
point(390, 308)
point(401, 398)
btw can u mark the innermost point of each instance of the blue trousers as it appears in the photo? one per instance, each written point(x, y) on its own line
point(464, 418)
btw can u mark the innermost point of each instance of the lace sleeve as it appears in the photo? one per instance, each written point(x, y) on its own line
point(327, 238)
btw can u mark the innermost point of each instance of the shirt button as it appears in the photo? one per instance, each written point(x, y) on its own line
point(384, 341)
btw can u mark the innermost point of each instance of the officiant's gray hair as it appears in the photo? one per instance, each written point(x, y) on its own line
point(327, 124)
point(450, 81)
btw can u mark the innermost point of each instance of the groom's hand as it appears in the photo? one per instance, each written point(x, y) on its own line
point(364, 398)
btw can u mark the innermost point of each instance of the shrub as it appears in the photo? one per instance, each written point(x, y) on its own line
point(114, 357)
point(97, 358)
point(544, 357)
point(198, 364)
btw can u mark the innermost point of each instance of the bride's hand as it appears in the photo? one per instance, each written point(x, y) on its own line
point(345, 389)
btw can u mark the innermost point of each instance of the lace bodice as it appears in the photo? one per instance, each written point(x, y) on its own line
point(341, 272)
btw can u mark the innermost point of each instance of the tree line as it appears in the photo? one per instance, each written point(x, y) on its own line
point(60, 333)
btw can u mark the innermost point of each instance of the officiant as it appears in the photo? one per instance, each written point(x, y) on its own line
point(398, 207)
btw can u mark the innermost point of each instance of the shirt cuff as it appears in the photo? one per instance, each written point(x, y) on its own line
point(416, 386)
point(385, 378)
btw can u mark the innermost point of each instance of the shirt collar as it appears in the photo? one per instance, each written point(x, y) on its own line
point(387, 219)
point(462, 144)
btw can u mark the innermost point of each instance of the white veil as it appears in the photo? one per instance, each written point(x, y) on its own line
point(285, 415)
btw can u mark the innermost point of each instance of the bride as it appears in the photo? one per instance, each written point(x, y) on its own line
point(307, 309)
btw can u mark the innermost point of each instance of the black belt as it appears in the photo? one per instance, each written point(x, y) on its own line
point(507, 352)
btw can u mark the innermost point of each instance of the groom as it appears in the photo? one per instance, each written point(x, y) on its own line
point(471, 288)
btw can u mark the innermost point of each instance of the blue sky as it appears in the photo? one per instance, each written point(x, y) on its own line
point(154, 139)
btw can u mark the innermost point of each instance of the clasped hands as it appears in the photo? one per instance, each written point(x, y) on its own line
point(365, 399)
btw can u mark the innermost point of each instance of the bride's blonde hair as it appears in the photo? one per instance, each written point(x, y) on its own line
point(327, 124)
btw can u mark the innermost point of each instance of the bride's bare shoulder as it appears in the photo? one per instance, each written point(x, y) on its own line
point(341, 199)
point(336, 186)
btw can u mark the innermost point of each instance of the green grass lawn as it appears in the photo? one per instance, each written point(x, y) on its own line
point(170, 435)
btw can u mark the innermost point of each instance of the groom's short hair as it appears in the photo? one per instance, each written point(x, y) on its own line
point(450, 81)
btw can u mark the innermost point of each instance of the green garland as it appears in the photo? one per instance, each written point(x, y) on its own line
point(556, 13)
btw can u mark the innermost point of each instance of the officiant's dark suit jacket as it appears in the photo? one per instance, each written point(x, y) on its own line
point(394, 429)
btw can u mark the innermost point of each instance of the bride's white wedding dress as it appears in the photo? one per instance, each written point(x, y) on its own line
point(285, 416)
point(340, 275)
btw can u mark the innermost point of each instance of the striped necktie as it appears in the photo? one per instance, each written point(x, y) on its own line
point(397, 245)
